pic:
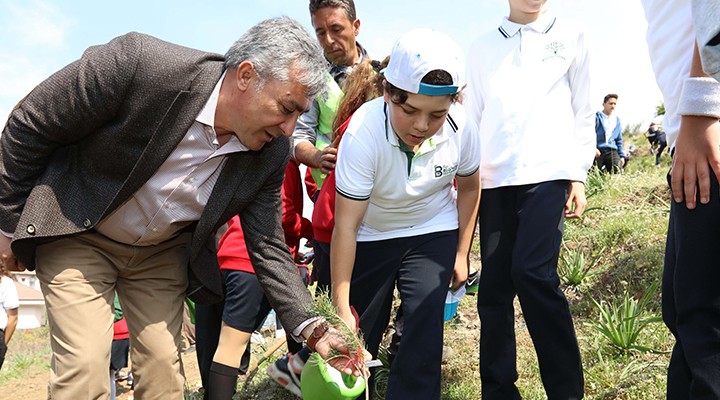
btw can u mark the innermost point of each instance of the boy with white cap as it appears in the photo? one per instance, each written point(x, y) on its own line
point(529, 91)
point(395, 208)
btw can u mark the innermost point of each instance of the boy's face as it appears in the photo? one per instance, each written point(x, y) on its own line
point(609, 106)
point(527, 6)
point(419, 118)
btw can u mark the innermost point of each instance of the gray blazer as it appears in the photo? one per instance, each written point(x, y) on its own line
point(84, 140)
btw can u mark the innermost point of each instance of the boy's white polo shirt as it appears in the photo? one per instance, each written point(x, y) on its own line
point(529, 92)
point(8, 299)
point(670, 37)
point(371, 166)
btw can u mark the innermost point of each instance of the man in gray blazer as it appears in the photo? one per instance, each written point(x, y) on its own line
point(116, 171)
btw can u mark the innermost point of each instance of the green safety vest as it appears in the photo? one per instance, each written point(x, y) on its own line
point(328, 108)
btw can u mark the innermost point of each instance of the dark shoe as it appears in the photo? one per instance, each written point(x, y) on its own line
point(472, 283)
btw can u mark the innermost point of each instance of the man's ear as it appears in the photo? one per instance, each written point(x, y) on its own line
point(356, 26)
point(245, 75)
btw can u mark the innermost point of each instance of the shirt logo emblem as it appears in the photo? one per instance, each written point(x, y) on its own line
point(442, 170)
point(554, 48)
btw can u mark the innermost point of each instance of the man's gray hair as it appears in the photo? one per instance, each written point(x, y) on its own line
point(347, 5)
point(276, 45)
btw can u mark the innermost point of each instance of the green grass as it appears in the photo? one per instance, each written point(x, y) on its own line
point(29, 352)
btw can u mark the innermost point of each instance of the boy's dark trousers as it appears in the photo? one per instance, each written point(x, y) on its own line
point(3, 347)
point(691, 298)
point(421, 267)
point(520, 235)
point(608, 161)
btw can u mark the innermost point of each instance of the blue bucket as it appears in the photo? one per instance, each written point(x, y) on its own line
point(452, 300)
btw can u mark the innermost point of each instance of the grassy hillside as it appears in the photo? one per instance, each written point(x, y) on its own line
point(611, 269)
point(615, 255)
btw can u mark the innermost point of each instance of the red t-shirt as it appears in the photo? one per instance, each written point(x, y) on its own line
point(120, 329)
point(232, 252)
point(323, 217)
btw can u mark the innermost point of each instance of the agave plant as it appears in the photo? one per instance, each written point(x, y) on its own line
point(621, 322)
point(574, 268)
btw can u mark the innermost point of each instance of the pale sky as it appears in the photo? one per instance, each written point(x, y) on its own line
point(38, 37)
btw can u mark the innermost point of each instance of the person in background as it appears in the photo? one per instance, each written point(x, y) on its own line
point(225, 328)
point(362, 85)
point(112, 179)
point(610, 155)
point(336, 28)
point(651, 136)
point(658, 143)
point(9, 303)
point(188, 326)
point(120, 347)
point(529, 85)
point(396, 219)
point(683, 39)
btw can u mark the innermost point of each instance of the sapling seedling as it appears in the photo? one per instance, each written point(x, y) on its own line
point(323, 307)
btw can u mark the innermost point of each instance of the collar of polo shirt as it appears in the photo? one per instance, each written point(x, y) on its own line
point(541, 25)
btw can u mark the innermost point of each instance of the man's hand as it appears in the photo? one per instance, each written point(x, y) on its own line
point(347, 363)
point(327, 158)
point(7, 258)
point(696, 155)
point(622, 162)
point(576, 202)
point(332, 339)
point(306, 153)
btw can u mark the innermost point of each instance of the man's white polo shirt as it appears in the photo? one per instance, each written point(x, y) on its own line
point(529, 92)
point(406, 197)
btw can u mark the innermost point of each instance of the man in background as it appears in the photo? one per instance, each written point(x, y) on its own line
point(336, 28)
point(610, 156)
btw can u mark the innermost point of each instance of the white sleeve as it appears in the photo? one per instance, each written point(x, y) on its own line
point(670, 37)
point(9, 298)
point(579, 76)
point(700, 96)
point(355, 169)
point(469, 148)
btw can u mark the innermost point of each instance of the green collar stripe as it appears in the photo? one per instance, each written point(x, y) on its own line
point(408, 153)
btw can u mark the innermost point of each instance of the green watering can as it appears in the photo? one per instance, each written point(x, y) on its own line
point(319, 381)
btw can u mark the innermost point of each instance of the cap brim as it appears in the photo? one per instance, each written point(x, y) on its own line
point(436, 90)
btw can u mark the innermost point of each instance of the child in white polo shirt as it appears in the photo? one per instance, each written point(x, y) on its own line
point(528, 90)
point(396, 221)
point(682, 62)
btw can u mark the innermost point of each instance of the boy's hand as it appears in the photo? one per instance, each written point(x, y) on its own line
point(460, 273)
point(576, 202)
point(696, 155)
point(7, 257)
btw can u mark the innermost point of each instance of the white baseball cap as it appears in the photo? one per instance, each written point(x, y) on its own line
point(420, 51)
